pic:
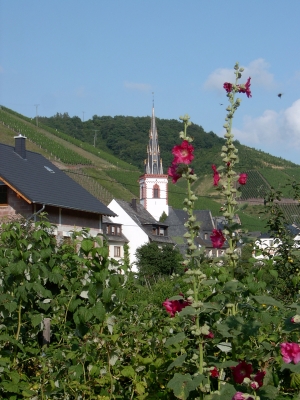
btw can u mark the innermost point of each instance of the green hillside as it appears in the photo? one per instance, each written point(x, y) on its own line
point(112, 167)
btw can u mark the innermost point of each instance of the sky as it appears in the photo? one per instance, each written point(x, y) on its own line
point(108, 57)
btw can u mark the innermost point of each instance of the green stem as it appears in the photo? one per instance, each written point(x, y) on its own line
point(19, 321)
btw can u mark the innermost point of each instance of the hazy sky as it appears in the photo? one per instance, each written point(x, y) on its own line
point(106, 57)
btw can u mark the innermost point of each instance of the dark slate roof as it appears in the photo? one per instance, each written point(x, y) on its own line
point(144, 220)
point(176, 220)
point(38, 180)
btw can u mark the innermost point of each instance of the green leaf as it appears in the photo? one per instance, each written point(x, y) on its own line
point(268, 301)
point(178, 362)
point(87, 245)
point(227, 392)
point(291, 367)
point(11, 306)
point(189, 310)
point(128, 371)
point(36, 319)
point(268, 392)
point(99, 311)
point(182, 385)
point(175, 339)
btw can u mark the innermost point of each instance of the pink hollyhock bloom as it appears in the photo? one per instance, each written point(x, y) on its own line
point(183, 153)
point(243, 179)
point(238, 396)
point(217, 238)
point(209, 336)
point(295, 319)
point(228, 87)
point(246, 88)
point(172, 172)
point(173, 306)
point(254, 385)
point(216, 175)
point(241, 371)
point(290, 352)
point(259, 378)
point(214, 373)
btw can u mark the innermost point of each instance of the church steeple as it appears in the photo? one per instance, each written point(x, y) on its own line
point(154, 184)
point(153, 165)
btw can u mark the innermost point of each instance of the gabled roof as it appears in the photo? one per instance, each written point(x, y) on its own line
point(144, 220)
point(37, 180)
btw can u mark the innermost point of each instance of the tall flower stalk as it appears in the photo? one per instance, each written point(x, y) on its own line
point(225, 177)
point(183, 156)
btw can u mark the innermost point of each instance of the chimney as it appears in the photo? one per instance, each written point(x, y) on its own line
point(133, 204)
point(20, 146)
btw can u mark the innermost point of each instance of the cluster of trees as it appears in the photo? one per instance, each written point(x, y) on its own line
point(126, 137)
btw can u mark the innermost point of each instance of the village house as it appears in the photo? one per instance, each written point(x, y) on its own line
point(31, 184)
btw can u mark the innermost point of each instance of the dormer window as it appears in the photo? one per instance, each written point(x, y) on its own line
point(161, 231)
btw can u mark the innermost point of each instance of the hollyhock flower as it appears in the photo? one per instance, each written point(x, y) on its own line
point(183, 153)
point(241, 371)
point(209, 336)
point(246, 88)
point(216, 175)
point(238, 396)
point(172, 172)
point(228, 87)
point(290, 352)
point(295, 319)
point(259, 378)
point(173, 306)
point(254, 385)
point(243, 179)
point(214, 373)
point(217, 238)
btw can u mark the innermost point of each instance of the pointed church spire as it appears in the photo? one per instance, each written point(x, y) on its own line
point(153, 165)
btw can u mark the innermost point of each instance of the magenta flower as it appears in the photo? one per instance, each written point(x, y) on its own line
point(228, 87)
point(210, 335)
point(183, 153)
point(172, 172)
point(290, 352)
point(246, 88)
point(241, 371)
point(259, 378)
point(214, 373)
point(217, 238)
point(216, 175)
point(243, 179)
point(238, 396)
point(173, 306)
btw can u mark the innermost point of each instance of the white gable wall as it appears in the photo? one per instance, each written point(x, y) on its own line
point(135, 235)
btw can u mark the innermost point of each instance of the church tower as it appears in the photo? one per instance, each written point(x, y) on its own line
point(154, 184)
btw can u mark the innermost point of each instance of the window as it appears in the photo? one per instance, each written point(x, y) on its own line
point(161, 231)
point(3, 193)
point(117, 251)
point(156, 192)
point(112, 230)
point(118, 231)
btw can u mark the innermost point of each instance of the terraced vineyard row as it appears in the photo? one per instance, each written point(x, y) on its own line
point(256, 186)
point(85, 146)
point(61, 153)
point(91, 186)
point(291, 212)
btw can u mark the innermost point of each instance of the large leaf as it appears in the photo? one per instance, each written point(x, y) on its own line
point(182, 385)
point(87, 245)
point(178, 362)
point(175, 339)
point(268, 301)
